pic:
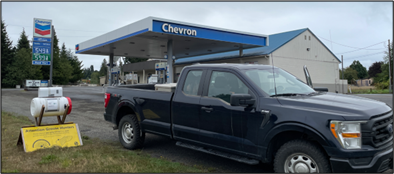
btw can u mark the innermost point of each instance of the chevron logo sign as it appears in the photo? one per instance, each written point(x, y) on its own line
point(42, 28)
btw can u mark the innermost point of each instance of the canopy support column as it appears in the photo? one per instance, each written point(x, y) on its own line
point(170, 62)
point(143, 76)
point(111, 64)
point(241, 51)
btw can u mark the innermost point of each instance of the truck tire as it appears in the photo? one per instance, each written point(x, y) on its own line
point(128, 129)
point(300, 156)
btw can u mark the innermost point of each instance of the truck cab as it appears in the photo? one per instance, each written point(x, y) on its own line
point(258, 113)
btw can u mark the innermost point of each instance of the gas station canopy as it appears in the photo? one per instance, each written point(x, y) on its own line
point(148, 38)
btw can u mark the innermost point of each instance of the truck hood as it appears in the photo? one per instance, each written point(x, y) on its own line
point(348, 106)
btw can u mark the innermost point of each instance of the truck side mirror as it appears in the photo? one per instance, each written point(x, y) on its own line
point(322, 89)
point(241, 100)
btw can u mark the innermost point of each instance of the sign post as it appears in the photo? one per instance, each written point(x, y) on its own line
point(43, 44)
point(50, 69)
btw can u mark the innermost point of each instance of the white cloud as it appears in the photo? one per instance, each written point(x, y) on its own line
point(356, 24)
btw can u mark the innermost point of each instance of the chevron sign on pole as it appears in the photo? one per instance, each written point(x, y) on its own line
point(42, 42)
point(42, 28)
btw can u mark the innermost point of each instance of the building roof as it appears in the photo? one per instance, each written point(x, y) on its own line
point(275, 41)
point(148, 38)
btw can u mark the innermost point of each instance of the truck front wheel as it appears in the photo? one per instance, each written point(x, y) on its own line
point(129, 132)
point(300, 156)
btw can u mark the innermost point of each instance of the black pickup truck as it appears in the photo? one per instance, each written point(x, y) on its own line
point(258, 113)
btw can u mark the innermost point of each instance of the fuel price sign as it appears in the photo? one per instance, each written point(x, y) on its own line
point(41, 53)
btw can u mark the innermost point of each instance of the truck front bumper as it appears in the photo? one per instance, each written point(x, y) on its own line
point(379, 163)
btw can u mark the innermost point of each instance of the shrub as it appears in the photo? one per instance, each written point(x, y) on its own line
point(382, 85)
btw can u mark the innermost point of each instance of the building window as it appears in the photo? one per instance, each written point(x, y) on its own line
point(305, 37)
point(309, 37)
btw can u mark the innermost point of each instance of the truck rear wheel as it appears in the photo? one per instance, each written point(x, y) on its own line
point(129, 132)
point(300, 156)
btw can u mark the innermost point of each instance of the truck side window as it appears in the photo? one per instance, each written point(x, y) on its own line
point(192, 82)
point(223, 84)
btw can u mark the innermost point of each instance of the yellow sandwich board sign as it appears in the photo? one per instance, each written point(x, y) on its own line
point(47, 136)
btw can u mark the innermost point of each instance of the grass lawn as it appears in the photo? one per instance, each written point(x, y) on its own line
point(367, 90)
point(94, 156)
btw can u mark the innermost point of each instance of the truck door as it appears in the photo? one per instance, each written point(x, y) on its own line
point(221, 123)
point(185, 106)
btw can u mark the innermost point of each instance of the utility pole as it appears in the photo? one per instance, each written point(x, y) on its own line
point(52, 56)
point(390, 90)
point(343, 90)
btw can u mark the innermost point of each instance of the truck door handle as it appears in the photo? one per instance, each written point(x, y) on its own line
point(208, 109)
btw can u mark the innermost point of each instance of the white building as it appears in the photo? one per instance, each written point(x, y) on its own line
point(288, 50)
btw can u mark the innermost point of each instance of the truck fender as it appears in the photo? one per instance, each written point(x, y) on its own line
point(129, 105)
point(298, 127)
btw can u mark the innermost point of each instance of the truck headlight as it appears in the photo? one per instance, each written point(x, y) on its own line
point(348, 133)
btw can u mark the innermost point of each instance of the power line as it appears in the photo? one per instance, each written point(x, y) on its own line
point(361, 48)
point(380, 52)
point(347, 45)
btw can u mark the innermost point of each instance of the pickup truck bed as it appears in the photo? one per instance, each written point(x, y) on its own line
point(153, 107)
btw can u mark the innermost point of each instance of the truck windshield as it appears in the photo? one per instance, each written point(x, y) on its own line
point(284, 83)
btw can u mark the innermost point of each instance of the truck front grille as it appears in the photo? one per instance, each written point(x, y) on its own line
point(378, 130)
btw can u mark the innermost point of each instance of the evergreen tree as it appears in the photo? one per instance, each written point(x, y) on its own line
point(103, 69)
point(46, 70)
point(62, 70)
point(7, 53)
point(55, 55)
point(86, 73)
point(77, 72)
point(23, 41)
point(22, 69)
point(91, 68)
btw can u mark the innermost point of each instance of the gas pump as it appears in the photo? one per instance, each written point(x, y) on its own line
point(116, 72)
point(161, 68)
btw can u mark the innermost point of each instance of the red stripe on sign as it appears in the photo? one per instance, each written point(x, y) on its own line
point(43, 33)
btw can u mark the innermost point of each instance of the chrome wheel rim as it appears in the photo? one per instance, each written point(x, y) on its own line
point(127, 132)
point(300, 163)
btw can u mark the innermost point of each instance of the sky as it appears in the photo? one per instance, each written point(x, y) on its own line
point(356, 30)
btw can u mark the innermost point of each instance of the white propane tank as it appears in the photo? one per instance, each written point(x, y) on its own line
point(50, 92)
point(53, 106)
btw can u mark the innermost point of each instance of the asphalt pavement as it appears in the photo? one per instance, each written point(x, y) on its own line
point(88, 109)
